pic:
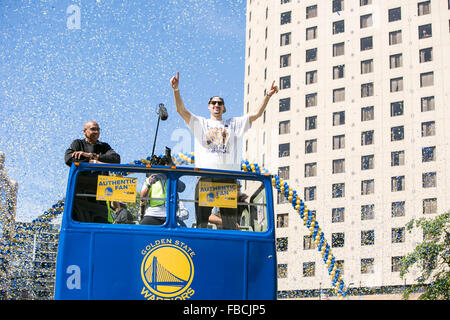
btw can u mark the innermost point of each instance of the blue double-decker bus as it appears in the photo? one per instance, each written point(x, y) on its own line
point(216, 241)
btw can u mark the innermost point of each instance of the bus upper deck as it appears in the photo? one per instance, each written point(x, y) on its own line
point(209, 234)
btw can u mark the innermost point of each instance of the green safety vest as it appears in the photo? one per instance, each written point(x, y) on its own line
point(157, 190)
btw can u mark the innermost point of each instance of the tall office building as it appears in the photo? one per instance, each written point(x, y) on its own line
point(360, 128)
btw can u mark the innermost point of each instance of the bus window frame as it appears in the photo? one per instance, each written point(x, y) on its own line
point(171, 222)
point(252, 177)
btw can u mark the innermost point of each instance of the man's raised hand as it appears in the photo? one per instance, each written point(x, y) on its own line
point(174, 81)
point(273, 89)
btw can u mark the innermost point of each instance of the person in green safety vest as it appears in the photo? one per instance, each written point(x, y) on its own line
point(154, 210)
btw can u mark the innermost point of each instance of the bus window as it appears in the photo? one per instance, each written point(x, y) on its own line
point(133, 198)
point(224, 204)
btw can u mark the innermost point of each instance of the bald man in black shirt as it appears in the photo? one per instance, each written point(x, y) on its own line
point(90, 149)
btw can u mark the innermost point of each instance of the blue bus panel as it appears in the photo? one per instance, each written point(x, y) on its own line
point(178, 259)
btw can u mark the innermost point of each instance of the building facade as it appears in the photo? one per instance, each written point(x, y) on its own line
point(359, 128)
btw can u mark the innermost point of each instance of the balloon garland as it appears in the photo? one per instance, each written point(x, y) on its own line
point(16, 246)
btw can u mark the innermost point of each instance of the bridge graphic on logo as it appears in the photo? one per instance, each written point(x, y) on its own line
point(157, 275)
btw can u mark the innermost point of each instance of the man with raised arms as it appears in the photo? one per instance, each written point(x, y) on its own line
point(218, 142)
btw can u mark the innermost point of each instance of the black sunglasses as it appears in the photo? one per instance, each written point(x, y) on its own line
point(213, 102)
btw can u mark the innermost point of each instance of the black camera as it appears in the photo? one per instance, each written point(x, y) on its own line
point(165, 160)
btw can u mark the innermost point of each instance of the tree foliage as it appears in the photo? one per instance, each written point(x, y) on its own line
point(431, 258)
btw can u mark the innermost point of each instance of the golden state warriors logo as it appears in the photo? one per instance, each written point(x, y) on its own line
point(167, 270)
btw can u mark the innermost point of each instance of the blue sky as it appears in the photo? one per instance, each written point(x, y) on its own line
point(114, 69)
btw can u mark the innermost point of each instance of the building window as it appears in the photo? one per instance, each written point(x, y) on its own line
point(311, 33)
point(397, 158)
point(285, 60)
point(367, 137)
point(310, 193)
point(282, 220)
point(429, 206)
point(282, 271)
point(368, 212)
point(284, 127)
point(367, 90)
point(311, 77)
point(311, 11)
point(427, 103)
point(285, 104)
point(397, 84)
point(365, 21)
point(396, 61)
point(338, 5)
point(283, 172)
point(425, 31)
point(428, 154)
point(286, 17)
point(338, 27)
point(337, 239)
point(283, 150)
point(311, 100)
point(367, 238)
point(311, 123)
point(338, 166)
point(397, 183)
point(311, 55)
point(281, 198)
point(426, 55)
point(365, 2)
point(426, 79)
point(398, 235)
point(397, 133)
point(338, 49)
point(428, 129)
point(367, 113)
point(397, 108)
point(310, 169)
point(423, 8)
point(339, 95)
point(398, 209)
point(285, 39)
point(339, 142)
point(309, 269)
point(308, 243)
point(366, 43)
point(337, 215)
point(368, 162)
point(338, 118)
point(396, 264)
point(285, 82)
point(367, 66)
point(394, 14)
point(395, 37)
point(311, 146)
point(367, 266)
point(281, 244)
point(429, 180)
point(338, 190)
point(367, 187)
point(338, 71)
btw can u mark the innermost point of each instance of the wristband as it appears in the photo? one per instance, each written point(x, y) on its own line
point(176, 90)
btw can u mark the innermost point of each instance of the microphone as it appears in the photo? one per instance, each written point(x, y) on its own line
point(162, 112)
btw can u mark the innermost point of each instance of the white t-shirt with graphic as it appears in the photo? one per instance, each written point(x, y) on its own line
point(218, 144)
